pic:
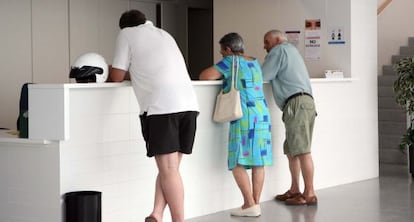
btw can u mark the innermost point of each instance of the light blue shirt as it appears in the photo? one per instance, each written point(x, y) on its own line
point(285, 69)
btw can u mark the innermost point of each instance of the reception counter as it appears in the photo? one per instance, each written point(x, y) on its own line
point(87, 137)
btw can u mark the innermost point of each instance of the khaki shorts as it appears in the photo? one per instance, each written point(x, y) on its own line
point(299, 117)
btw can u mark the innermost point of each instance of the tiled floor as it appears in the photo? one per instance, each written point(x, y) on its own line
point(389, 198)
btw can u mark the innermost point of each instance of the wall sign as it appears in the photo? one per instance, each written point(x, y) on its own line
point(336, 36)
point(312, 39)
point(293, 37)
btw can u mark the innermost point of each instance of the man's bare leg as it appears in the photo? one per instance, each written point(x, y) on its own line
point(171, 184)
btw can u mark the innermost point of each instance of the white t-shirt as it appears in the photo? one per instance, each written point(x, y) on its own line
point(158, 71)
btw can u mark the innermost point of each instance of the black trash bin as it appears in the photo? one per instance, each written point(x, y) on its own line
point(83, 206)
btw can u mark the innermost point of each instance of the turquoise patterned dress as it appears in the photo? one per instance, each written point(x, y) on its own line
point(250, 139)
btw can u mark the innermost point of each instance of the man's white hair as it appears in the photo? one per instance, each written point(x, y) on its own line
point(278, 34)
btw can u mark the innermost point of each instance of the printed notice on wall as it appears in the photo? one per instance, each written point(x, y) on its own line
point(336, 36)
point(293, 37)
point(312, 39)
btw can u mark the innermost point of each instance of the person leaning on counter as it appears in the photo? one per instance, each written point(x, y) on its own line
point(168, 103)
point(250, 145)
point(285, 69)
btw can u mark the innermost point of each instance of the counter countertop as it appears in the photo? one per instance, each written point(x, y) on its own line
point(8, 136)
point(313, 80)
point(195, 83)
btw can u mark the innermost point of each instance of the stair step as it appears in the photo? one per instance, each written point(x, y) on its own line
point(386, 80)
point(389, 141)
point(392, 156)
point(387, 103)
point(411, 41)
point(388, 70)
point(385, 91)
point(392, 128)
point(396, 58)
point(392, 119)
point(394, 115)
point(407, 50)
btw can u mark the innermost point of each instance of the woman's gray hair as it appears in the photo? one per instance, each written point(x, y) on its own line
point(234, 41)
point(278, 34)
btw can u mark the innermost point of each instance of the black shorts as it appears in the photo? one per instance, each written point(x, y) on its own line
point(169, 133)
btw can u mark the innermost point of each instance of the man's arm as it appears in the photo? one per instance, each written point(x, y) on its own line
point(118, 75)
point(269, 67)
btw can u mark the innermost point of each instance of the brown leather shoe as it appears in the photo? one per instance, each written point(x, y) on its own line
point(302, 200)
point(150, 219)
point(287, 195)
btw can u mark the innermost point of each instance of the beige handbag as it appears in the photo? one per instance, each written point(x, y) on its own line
point(228, 106)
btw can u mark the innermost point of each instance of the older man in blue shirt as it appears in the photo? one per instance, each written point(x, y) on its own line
point(285, 69)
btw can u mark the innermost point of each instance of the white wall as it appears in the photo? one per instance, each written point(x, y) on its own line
point(394, 27)
point(104, 150)
point(359, 97)
point(33, 47)
point(345, 142)
point(254, 21)
point(363, 94)
point(93, 27)
point(38, 50)
point(29, 181)
point(42, 39)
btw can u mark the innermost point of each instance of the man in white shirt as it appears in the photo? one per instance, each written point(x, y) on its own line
point(151, 59)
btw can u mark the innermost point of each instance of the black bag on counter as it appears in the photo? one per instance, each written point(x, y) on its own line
point(23, 119)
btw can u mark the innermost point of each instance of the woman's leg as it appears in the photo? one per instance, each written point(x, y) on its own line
point(243, 181)
point(258, 175)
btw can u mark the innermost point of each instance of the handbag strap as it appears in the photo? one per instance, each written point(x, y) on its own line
point(234, 70)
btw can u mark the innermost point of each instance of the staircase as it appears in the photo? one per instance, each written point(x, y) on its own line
point(392, 119)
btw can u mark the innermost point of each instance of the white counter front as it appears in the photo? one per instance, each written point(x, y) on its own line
point(92, 141)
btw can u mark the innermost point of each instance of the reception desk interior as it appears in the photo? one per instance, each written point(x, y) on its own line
point(88, 137)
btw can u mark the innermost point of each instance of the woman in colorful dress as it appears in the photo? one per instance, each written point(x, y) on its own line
point(250, 145)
